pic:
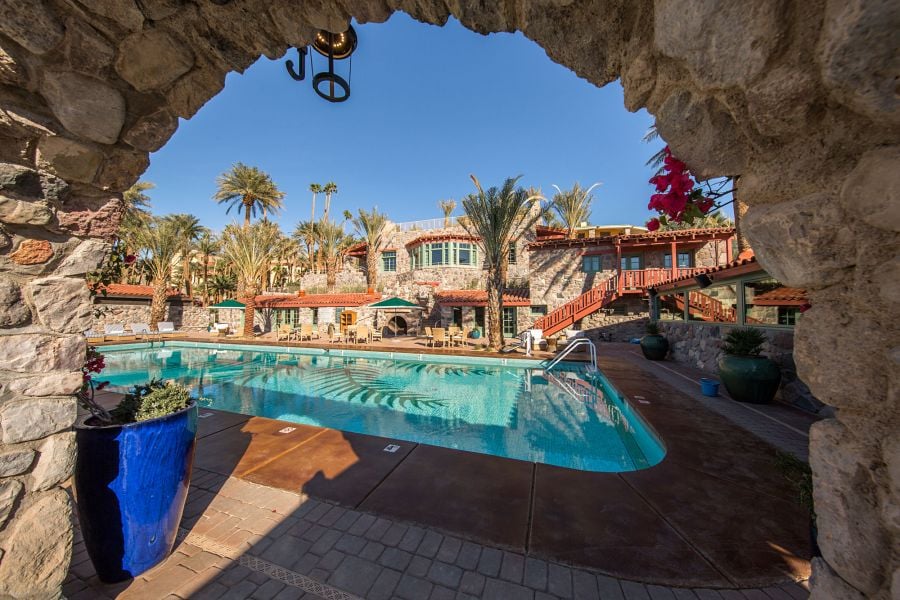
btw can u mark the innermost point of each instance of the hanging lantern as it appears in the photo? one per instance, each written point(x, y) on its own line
point(334, 46)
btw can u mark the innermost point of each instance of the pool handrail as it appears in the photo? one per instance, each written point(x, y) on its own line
point(592, 350)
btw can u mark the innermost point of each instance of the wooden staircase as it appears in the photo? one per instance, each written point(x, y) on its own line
point(591, 301)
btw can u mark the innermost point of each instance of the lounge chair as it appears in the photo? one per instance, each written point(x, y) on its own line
point(167, 329)
point(222, 329)
point(115, 331)
point(141, 330)
point(93, 336)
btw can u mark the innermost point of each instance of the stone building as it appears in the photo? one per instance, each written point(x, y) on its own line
point(125, 303)
point(797, 98)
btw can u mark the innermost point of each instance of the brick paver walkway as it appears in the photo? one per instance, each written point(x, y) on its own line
point(242, 540)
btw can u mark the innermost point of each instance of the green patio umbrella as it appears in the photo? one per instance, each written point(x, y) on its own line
point(394, 305)
point(229, 304)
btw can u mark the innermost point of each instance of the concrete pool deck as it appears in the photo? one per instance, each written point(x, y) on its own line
point(715, 513)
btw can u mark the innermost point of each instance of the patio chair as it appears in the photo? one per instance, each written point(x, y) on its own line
point(429, 336)
point(167, 329)
point(440, 336)
point(463, 337)
point(334, 334)
point(362, 334)
point(305, 331)
point(284, 332)
point(376, 335)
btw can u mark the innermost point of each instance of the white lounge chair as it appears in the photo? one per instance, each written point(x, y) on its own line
point(115, 331)
point(222, 329)
point(141, 330)
point(167, 329)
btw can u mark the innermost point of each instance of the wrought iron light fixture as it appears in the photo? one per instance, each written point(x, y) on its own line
point(334, 46)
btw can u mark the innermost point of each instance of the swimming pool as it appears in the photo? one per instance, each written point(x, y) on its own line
point(513, 408)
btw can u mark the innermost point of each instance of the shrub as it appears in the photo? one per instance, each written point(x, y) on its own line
point(744, 341)
point(799, 474)
point(155, 399)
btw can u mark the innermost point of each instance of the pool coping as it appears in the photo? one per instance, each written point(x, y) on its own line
point(569, 515)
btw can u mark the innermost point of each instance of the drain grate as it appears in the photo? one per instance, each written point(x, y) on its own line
point(287, 430)
point(391, 448)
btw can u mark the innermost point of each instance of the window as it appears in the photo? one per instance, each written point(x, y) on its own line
point(479, 316)
point(538, 310)
point(389, 261)
point(286, 316)
point(509, 321)
point(315, 316)
point(591, 264)
point(767, 302)
point(716, 304)
point(512, 254)
point(631, 263)
point(671, 307)
point(685, 260)
point(438, 254)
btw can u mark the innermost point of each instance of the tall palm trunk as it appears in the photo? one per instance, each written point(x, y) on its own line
point(158, 304)
point(249, 310)
point(330, 275)
point(372, 268)
point(495, 309)
point(248, 206)
point(206, 279)
point(186, 273)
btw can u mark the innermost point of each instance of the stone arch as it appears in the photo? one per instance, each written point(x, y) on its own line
point(800, 99)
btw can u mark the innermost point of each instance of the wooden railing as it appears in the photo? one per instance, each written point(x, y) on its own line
point(585, 304)
point(639, 280)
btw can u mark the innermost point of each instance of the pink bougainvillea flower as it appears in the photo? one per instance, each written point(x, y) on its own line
point(130, 259)
point(653, 224)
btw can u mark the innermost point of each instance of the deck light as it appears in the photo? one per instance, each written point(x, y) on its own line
point(335, 46)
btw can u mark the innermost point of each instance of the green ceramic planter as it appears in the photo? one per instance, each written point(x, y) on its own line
point(752, 379)
point(654, 347)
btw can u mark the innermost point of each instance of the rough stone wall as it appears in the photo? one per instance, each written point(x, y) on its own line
point(799, 98)
point(186, 317)
point(700, 346)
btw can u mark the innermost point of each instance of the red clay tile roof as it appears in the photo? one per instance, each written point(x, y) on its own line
point(316, 300)
point(127, 290)
point(479, 298)
point(543, 232)
point(782, 296)
point(359, 249)
point(654, 236)
point(445, 237)
point(740, 266)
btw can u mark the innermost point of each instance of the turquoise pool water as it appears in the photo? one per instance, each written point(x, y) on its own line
point(567, 417)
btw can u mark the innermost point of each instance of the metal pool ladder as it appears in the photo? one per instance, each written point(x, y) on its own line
point(592, 350)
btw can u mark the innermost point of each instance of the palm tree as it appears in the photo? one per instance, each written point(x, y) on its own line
point(447, 207)
point(306, 233)
point(250, 250)
point(330, 189)
point(208, 246)
point(249, 189)
point(221, 284)
point(189, 229)
point(333, 244)
point(372, 227)
point(498, 217)
point(161, 242)
point(573, 206)
point(316, 189)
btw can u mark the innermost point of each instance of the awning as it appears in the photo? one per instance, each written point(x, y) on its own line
point(396, 303)
point(229, 304)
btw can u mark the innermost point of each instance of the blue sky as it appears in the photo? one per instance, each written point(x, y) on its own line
point(429, 106)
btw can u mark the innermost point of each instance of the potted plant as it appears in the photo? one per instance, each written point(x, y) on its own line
point(747, 376)
point(654, 345)
point(132, 473)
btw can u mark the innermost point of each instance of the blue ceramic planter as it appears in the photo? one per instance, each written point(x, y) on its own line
point(131, 483)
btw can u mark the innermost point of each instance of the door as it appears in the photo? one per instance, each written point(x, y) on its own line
point(509, 321)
